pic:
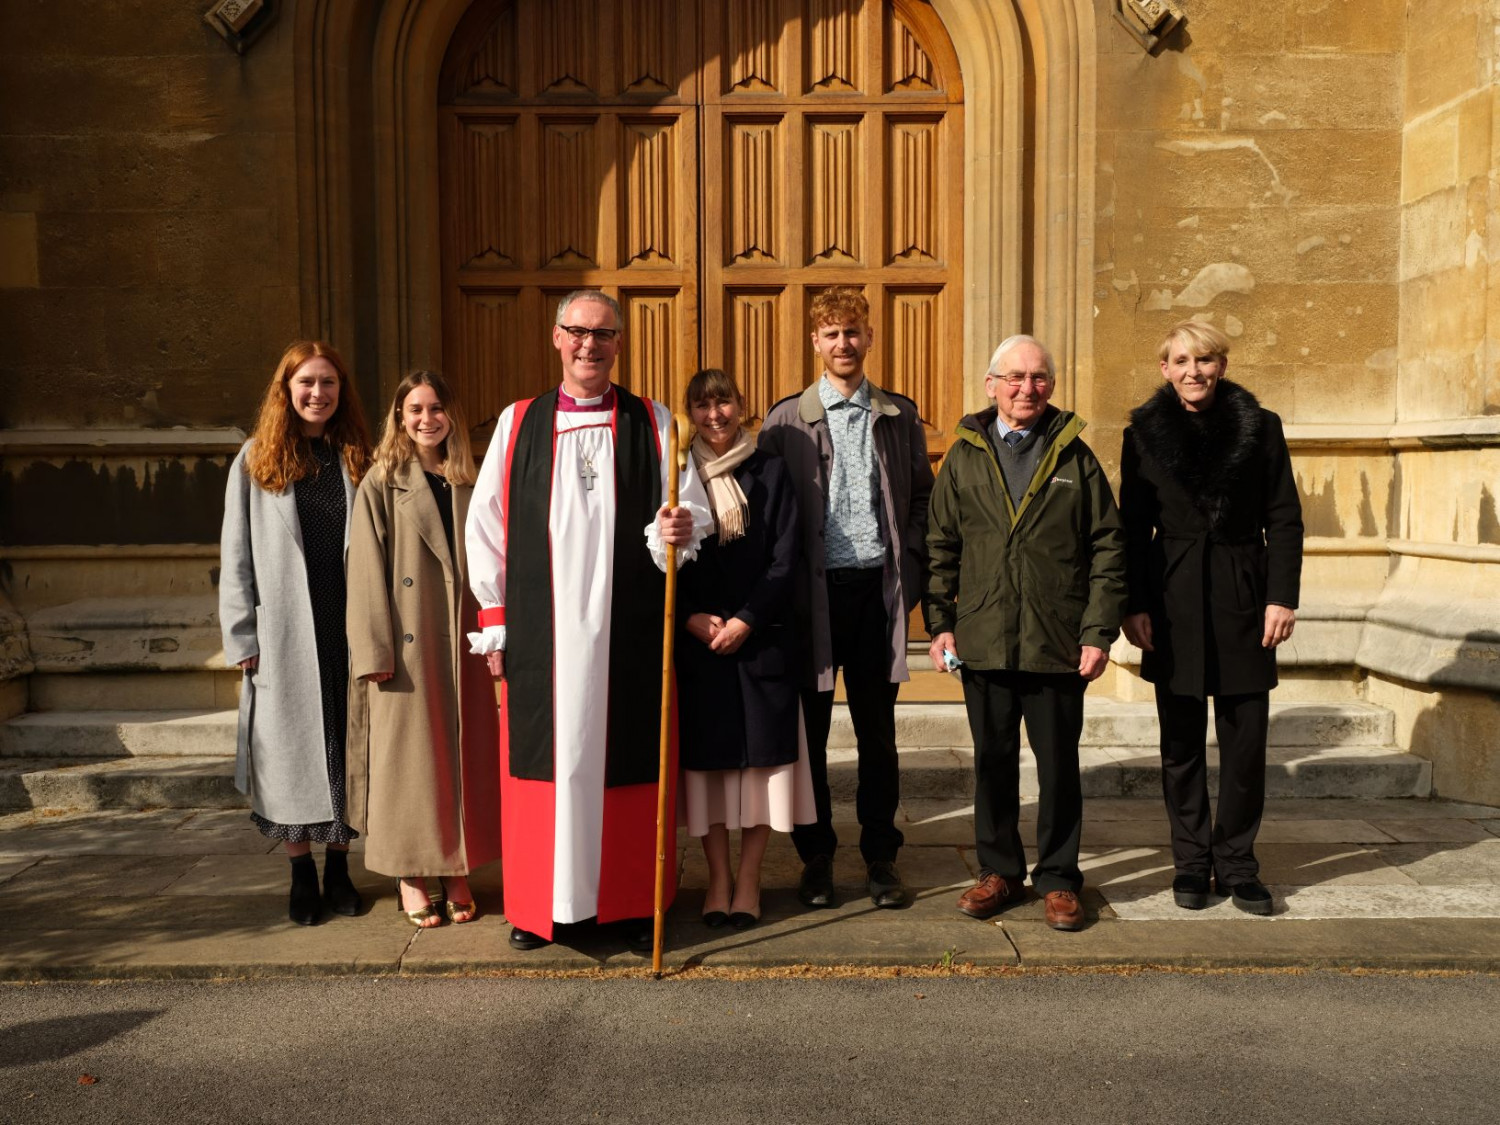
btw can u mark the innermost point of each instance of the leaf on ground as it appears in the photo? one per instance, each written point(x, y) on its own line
point(87, 1080)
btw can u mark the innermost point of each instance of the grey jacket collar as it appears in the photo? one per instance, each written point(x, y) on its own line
point(810, 405)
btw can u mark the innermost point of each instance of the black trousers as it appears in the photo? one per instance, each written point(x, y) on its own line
point(861, 647)
point(1052, 708)
point(1225, 845)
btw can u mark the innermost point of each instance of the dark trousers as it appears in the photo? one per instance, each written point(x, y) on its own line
point(861, 647)
point(1052, 708)
point(1227, 845)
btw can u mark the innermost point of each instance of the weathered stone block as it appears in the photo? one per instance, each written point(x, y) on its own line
point(18, 252)
point(1347, 243)
point(1313, 91)
point(1429, 155)
point(1476, 134)
point(1348, 393)
point(1442, 58)
point(1348, 25)
point(87, 249)
point(1233, 27)
point(1434, 233)
point(136, 28)
point(67, 95)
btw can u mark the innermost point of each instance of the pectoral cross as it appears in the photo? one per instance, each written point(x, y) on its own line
point(588, 473)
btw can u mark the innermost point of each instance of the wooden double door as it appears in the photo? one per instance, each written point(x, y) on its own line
point(712, 164)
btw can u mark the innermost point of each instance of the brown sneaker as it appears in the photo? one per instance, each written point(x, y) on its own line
point(990, 895)
point(1064, 911)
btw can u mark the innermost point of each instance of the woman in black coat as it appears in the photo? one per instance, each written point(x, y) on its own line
point(740, 734)
point(1213, 526)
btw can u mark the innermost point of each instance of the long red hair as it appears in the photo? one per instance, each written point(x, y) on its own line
point(280, 454)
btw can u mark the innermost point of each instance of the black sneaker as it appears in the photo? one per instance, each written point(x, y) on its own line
point(816, 887)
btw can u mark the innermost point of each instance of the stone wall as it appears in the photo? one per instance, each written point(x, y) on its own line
point(149, 266)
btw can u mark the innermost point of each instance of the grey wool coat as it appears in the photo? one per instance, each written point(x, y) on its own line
point(265, 610)
point(423, 763)
point(796, 428)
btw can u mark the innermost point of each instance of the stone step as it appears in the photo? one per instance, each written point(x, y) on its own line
point(127, 634)
point(1107, 722)
point(178, 782)
point(207, 781)
point(201, 689)
point(115, 734)
point(97, 734)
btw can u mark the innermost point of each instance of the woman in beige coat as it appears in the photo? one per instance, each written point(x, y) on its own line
point(423, 761)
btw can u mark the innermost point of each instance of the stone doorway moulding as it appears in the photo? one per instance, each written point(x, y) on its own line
point(367, 76)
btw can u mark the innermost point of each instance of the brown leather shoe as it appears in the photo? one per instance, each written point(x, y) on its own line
point(990, 895)
point(1064, 911)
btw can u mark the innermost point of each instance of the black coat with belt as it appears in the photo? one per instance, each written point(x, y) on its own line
point(740, 710)
point(1213, 526)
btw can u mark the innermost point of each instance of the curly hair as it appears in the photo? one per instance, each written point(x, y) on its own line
point(840, 305)
point(279, 453)
point(395, 446)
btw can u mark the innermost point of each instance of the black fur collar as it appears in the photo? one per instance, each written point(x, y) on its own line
point(1205, 453)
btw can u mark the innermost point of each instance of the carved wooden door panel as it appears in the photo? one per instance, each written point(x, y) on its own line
point(836, 129)
point(828, 135)
point(569, 159)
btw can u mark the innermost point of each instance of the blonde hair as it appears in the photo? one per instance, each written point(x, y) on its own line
point(842, 304)
point(396, 448)
point(1199, 338)
point(280, 453)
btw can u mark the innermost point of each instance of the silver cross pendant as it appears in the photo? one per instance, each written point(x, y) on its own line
point(588, 474)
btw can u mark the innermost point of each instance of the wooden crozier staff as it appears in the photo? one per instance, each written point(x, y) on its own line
point(677, 459)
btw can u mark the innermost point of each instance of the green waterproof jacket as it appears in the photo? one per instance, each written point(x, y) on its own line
point(1023, 588)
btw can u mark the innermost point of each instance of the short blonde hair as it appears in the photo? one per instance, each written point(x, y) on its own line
point(842, 304)
point(1199, 338)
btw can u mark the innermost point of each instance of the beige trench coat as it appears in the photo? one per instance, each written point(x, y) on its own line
point(423, 765)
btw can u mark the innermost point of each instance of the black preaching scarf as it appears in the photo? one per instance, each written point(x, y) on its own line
point(635, 613)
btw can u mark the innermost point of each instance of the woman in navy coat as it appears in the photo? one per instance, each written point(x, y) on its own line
point(740, 736)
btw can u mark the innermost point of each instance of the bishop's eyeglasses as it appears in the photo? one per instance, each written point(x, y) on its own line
point(579, 333)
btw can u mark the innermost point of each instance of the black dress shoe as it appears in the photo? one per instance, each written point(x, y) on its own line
point(305, 906)
point(816, 887)
point(525, 939)
point(339, 891)
point(1250, 895)
point(743, 919)
point(714, 919)
point(640, 934)
point(885, 886)
point(1190, 891)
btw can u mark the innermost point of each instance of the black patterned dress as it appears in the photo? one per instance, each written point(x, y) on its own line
point(324, 516)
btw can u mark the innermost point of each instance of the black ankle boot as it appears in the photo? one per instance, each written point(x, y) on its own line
point(304, 907)
point(338, 890)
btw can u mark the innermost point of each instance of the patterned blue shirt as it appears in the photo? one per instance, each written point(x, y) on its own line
point(852, 516)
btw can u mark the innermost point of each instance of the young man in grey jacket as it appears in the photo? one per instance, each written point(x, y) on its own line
point(857, 456)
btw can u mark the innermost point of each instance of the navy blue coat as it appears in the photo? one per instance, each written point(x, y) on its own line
point(740, 710)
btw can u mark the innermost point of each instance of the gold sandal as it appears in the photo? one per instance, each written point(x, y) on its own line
point(419, 917)
point(455, 908)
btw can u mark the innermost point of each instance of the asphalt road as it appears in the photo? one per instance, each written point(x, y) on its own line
point(1320, 1048)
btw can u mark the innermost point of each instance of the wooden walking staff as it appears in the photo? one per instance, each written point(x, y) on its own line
point(677, 460)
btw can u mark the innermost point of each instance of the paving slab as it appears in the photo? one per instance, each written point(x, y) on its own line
point(1333, 831)
point(1327, 864)
point(1134, 904)
point(12, 865)
point(1425, 943)
point(1433, 830)
point(1431, 865)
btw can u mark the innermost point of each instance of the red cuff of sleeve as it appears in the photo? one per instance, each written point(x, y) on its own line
point(495, 615)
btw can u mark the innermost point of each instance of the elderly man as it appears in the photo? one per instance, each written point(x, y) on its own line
point(1025, 590)
point(857, 456)
point(567, 512)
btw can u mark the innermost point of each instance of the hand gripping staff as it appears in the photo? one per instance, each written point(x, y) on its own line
point(677, 459)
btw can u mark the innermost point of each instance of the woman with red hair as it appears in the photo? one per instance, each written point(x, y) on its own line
point(281, 608)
